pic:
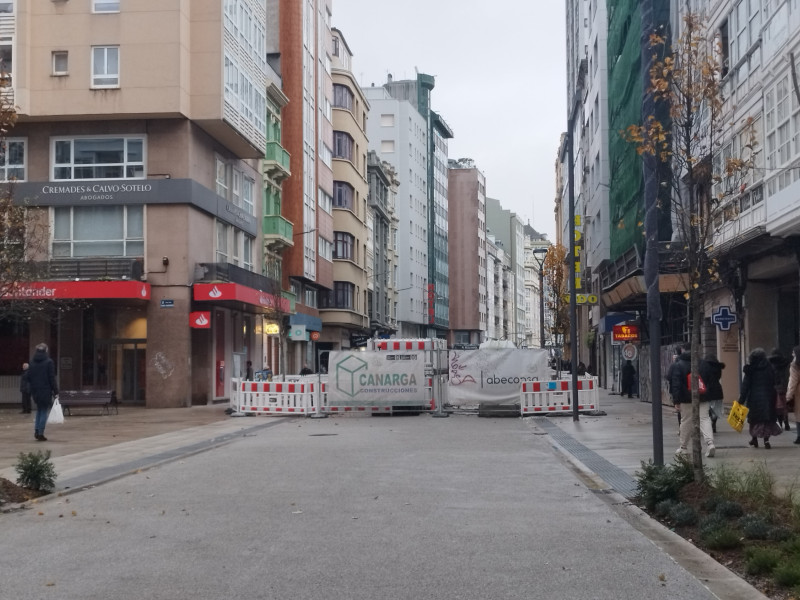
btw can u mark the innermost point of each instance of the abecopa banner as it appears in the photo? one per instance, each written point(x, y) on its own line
point(494, 375)
point(376, 378)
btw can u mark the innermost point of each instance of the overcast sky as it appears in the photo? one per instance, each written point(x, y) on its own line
point(500, 82)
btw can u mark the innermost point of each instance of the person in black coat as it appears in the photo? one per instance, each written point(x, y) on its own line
point(714, 388)
point(628, 374)
point(25, 390)
point(758, 394)
point(42, 379)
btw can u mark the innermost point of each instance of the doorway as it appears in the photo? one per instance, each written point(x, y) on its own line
point(120, 365)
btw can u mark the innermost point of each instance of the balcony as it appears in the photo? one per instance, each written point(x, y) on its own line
point(89, 269)
point(276, 162)
point(278, 232)
point(228, 273)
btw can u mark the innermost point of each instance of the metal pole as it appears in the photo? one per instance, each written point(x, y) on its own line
point(541, 304)
point(573, 325)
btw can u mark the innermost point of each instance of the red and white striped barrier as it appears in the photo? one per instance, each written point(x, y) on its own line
point(554, 397)
point(274, 398)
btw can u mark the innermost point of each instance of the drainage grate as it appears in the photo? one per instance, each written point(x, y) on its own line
point(611, 474)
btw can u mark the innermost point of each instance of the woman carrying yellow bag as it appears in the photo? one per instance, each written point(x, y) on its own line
point(758, 395)
point(737, 416)
point(793, 389)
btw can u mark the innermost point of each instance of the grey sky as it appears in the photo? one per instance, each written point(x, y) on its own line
point(500, 82)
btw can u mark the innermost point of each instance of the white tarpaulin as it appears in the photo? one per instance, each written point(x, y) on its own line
point(386, 378)
point(494, 376)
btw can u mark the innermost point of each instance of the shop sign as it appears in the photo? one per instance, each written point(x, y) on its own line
point(625, 333)
point(200, 319)
point(60, 290)
point(272, 328)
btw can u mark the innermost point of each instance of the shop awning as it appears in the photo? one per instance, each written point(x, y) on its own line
point(220, 292)
point(72, 290)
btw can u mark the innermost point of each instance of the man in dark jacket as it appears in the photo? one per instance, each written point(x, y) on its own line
point(25, 390)
point(42, 381)
point(680, 386)
point(714, 389)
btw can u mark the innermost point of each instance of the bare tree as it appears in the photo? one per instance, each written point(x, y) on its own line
point(704, 175)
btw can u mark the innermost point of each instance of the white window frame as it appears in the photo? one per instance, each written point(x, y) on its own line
point(105, 6)
point(4, 159)
point(221, 177)
point(64, 247)
point(57, 71)
point(221, 242)
point(126, 163)
point(102, 52)
point(248, 242)
point(248, 193)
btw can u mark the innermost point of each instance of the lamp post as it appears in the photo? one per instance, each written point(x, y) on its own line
point(537, 253)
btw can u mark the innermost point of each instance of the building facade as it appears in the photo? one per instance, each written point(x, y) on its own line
point(467, 250)
point(142, 143)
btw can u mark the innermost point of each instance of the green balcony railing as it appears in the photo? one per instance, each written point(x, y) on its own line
point(277, 226)
point(276, 152)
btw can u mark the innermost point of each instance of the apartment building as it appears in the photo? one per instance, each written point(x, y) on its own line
point(344, 309)
point(306, 55)
point(140, 140)
point(467, 250)
point(398, 134)
point(507, 228)
point(382, 276)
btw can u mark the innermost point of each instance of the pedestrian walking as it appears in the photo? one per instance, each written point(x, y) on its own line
point(681, 384)
point(793, 389)
point(42, 380)
point(249, 371)
point(628, 375)
point(714, 389)
point(306, 370)
point(672, 392)
point(781, 366)
point(758, 394)
point(25, 390)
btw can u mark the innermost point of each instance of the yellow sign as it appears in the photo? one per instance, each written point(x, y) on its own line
point(272, 328)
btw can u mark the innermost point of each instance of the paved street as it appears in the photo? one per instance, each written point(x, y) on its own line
point(346, 507)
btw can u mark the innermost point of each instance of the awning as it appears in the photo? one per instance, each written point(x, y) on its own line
point(63, 290)
point(607, 323)
point(220, 292)
point(311, 322)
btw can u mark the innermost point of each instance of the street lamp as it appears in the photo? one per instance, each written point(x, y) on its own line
point(539, 255)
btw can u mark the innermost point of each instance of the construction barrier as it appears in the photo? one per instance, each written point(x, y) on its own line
point(436, 366)
point(274, 398)
point(554, 397)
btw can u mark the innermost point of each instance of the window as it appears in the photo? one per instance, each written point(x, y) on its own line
point(343, 245)
point(105, 66)
point(344, 293)
point(222, 178)
point(387, 120)
point(325, 201)
point(248, 188)
point(12, 160)
point(325, 249)
point(247, 252)
point(60, 62)
point(80, 231)
point(98, 158)
point(6, 7)
point(342, 195)
point(342, 97)
point(310, 297)
point(387, 146)
point(222, 242)
point(105, 6)
point(342, 296)
point(342, 145)
point(6, 62)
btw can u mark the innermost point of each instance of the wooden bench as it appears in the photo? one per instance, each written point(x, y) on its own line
point(107, 399)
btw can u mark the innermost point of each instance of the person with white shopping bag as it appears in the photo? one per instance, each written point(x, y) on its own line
point(44, 387)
